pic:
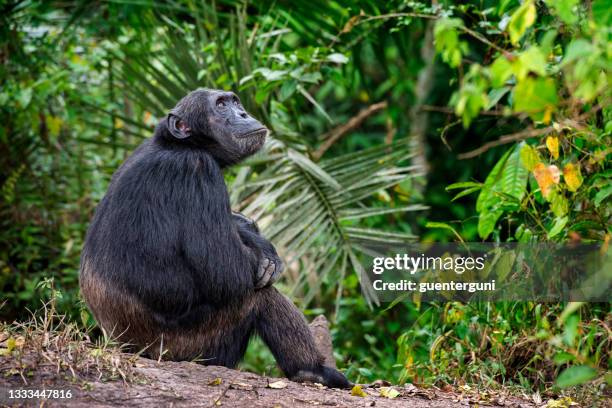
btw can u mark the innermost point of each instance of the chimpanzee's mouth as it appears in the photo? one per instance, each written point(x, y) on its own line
point(254, 133)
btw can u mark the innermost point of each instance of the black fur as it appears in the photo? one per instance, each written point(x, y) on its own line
point(166, 263)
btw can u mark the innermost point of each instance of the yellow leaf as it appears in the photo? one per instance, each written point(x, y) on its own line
point(54, 124)
point(215, 382)
point(521, 20)
point(118, 123)
point(278, 385)
point(383, 196)
point(389, 392)
point(572, 176)
point(11, 343)
point(552, 143)
point(547, 114)
point(564, 402)
point(357, 391)
point(76, 59)
point(546, 176)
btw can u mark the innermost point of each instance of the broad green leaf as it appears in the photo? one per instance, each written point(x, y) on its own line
point(271, 75)
point(535, 96)
point(501, 71)
point(565, 9)
point(575, 375)
point(487, 221)
point(287, 90)
point(523, 234)
point(557, 227)
point(529, 157)
point(486, 198)
point(602, 12)
point(570, 330)
point(602, 195)
point(563, 357)
point(558, 203)
point(530, 61)
point(509, 177)
point(514, 175)
point(495, 96)
point(446, 40)
point(578, 48)
point(521, 20)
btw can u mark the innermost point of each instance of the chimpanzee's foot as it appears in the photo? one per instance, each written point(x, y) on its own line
point(327, 376)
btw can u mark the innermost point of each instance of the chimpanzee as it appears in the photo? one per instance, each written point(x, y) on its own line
point(169, 268)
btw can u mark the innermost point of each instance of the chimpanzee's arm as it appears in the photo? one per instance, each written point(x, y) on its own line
point(230, 253)
point(245, 222)
point(270, 264)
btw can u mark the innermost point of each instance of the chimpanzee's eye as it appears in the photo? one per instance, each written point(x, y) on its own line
point(220, 103)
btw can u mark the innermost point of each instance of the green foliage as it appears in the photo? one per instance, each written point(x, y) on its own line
point(507, 343)
point(526, 83)
point(559, 79)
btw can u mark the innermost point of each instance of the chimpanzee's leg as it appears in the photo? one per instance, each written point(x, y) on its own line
point(221, 338)
point(284, 330)
point(228, 349)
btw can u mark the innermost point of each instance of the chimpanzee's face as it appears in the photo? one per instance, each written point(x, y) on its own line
point(217, 120)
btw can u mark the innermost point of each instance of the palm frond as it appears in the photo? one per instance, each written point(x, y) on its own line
point(310, 210)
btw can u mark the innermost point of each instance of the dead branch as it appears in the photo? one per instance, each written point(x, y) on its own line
point(338, 132)
point(531, 132)
point(513, 137)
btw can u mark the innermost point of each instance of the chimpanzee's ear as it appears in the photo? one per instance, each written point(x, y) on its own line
point(177, 127)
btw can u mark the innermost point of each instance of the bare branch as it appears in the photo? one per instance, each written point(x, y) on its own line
point(513, 137)
point(335, 134)
point(531, 132)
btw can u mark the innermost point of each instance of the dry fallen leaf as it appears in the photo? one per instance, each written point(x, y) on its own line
point(215, 382)
point(357, 391)
point(277, 385)
point(389, 392)
point(564, 402)
point(241, 386)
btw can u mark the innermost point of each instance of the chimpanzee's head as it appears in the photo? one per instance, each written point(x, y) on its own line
point(216, 121)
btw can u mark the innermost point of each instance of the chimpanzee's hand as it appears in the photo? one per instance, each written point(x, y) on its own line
point(269, 269)
point(270, 265)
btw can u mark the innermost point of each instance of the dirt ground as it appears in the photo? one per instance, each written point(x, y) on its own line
point(186, 384)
